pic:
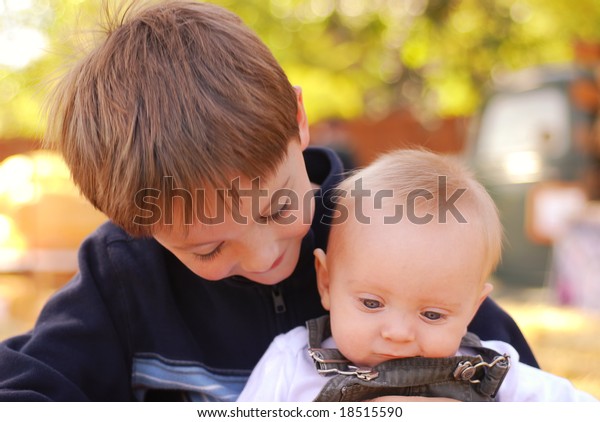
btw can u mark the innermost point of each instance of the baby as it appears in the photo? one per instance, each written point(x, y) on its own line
point(414, 241)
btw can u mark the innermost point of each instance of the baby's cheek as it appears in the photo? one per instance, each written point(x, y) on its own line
point(444, 347)
point(356, 351)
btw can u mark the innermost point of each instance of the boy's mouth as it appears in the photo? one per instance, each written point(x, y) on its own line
point(277, 262)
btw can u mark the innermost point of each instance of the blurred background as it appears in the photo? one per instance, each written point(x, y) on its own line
point(512, 86)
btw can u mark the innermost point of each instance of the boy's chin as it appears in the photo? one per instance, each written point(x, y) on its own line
point(281, 270)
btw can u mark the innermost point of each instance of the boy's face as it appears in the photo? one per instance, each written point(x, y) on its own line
point(402, 290)
point(260, 239)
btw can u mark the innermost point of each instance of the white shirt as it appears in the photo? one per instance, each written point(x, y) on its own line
point(287, 373)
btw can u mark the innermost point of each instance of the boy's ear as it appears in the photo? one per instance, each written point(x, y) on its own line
point(322, 277)
point(302, 119)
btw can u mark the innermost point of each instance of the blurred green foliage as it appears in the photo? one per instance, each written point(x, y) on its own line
point(352, 57)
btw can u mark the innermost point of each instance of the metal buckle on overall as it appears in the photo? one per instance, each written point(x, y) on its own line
point(466, 370)
point(322, 363)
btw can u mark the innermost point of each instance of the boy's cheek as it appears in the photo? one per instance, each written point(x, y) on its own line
point(305, 210)
point(208, 271)
point(297, 228)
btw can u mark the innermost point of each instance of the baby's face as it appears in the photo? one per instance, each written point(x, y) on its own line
point(402, 290)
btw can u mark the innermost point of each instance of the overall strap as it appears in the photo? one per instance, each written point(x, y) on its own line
point(495, 366)
point(465, 378)
point(330, 361)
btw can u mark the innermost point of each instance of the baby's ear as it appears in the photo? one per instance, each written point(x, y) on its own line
point(322, 276)
point(485, 292)
point(486, 289)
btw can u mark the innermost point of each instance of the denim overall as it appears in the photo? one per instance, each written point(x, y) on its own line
point(464, 378)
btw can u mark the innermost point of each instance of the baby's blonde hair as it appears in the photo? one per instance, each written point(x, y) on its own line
point(408, 171)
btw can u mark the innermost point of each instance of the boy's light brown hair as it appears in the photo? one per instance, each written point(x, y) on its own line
point(178, 89)
point(407, 171)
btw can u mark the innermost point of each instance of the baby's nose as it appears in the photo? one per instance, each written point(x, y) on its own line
point(398, 331)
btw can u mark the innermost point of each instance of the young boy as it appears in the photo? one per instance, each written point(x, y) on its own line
point(182, 128)
point(404, 275)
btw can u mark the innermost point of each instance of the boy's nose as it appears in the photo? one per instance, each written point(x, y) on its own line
point(260, 258)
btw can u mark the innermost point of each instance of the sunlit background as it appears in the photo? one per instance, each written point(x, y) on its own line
point(510, 85)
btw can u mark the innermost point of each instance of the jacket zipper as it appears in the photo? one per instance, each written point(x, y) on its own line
point(278, 302)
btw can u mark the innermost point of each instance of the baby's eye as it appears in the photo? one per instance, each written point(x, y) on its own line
point(371, 303)
point(431, 315)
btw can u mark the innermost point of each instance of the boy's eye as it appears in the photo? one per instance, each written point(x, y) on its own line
point(209, 256)
point(431, 315)
point(279, 214)
point(371, 303)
